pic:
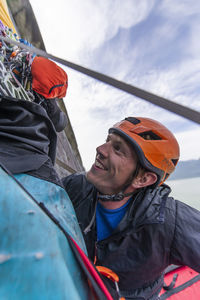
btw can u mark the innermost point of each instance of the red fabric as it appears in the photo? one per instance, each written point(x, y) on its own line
point(48, 79)
point(92, 271)
point(184, 274)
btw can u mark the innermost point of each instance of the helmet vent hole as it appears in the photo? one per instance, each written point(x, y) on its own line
point(132, 120)
point(150, 135)
point(174, 161)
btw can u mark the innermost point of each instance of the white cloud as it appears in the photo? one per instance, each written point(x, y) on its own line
point(72, 26)
point(189, 144)
point(179, 10)
point(180, 83)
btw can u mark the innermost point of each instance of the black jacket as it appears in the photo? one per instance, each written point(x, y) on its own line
point(155, 232)
point(28, 136)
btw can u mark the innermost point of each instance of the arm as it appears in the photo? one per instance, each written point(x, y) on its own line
point(75, 186)
point(78, 188)
point(185, 248)
point(57, 116)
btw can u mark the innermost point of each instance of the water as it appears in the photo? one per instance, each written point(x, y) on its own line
point(186, 190)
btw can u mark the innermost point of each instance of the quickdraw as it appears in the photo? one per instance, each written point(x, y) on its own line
point(15, 67)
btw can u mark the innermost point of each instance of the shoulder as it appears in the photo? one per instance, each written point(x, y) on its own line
point(181, 214)
point(177, 205)
point(74, 180)
point(78, 187)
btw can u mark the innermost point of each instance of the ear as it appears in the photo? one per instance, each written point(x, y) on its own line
point(146, 179)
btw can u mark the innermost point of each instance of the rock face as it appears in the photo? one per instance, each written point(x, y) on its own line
point(68, 159)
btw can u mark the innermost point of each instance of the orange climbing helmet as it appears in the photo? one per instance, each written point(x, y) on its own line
point(156, 147)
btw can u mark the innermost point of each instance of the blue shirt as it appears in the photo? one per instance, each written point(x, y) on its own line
point(108, 219)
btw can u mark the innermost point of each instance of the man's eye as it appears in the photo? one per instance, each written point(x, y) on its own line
point(117, 147)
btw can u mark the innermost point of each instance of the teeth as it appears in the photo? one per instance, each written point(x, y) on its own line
point(99, 165)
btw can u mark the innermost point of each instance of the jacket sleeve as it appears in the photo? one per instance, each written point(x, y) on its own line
point(79, 189)
point(185, 249)
point(69, 185)
point(75, 186)
point(57, 116)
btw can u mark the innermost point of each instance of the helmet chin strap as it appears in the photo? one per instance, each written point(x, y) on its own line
point(116, 197)
point(121, 195)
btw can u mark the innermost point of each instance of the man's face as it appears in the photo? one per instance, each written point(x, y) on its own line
point(114, 165)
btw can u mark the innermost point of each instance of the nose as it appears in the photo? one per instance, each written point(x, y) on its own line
point(102, 151)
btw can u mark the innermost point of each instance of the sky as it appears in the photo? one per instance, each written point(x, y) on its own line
point(151, 44)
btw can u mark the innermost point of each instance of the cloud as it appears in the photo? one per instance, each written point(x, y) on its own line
point(189, 143)
point(174, 9)
point(81, 26)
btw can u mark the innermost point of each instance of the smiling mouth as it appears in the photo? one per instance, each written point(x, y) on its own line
point(99, 165)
